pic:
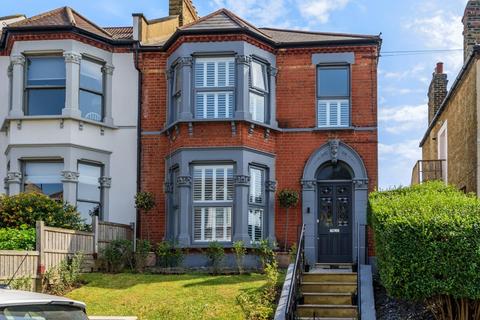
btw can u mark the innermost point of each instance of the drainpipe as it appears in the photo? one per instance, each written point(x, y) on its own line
point(139, 134)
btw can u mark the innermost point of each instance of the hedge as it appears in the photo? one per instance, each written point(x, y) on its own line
point(427, 241)
point(27, 208)
point(22, 238)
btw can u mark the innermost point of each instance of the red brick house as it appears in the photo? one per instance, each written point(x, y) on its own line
point(231, 114)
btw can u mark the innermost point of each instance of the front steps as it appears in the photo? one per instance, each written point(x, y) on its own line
point(327, 293)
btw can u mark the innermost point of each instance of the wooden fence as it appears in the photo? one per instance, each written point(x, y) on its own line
point(53, 245)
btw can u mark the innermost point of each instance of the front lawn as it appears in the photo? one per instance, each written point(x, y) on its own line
point(152, 297)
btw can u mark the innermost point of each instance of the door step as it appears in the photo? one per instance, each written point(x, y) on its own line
point(330, 277)
point(327, 298)
point(328, 287)
point(335, 311)
point(334, 265)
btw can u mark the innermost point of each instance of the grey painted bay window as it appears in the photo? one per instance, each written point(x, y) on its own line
point(212, 203)
point(43, 177)
point(89, 193)
point(45, 85)
point(256, 204)
point(214, 87)
point(258, 91)
point(91, 90)
point(176, 92)
point(333, 96)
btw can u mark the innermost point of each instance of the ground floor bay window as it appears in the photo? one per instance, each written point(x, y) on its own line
point(89, 193)
point(43, 177)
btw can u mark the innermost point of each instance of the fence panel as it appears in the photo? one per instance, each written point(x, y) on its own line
point(109, 231)
point(11, 261)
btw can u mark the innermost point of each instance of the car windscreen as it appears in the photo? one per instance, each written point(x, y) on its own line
point(42, 312)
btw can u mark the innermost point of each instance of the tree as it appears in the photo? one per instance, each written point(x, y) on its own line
point(145, 201)
point(287, 199)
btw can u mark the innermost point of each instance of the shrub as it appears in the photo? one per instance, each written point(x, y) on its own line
point(261, 305)
point(215, 254)
point(145, 201)
point(22, 238)
point(287, 199)
point(22, 283)
point(293, 253)
point(240, 252)
point(118, 255)
point(28, 208)
point(141, 254)
point(427, 242)
point(264, 249)
point(169, 254)
point(63, 277)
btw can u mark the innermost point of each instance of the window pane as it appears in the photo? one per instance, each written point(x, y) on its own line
point(255, 224)
point(43, 71)
point(88, 184)
point(91, 75)
point(177, 86)
point(44, 177)
point(258, 75)
point(257, 182)
point(213, 183)
point(45, 102)
point(212, 224)
point(333, 82)
point(333, 113)
point(257, 107)
point(91, 105)
point(87, 210)
point(214, 105)
point(214, 72)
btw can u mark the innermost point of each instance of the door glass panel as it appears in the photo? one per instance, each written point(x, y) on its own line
point(342, 211)
point(326, 211)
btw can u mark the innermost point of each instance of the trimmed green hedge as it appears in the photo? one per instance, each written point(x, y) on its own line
point(22, 238)
point(427, 241)
point(27, 208)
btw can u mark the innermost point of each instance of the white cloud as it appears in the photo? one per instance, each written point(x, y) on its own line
point(402, 91)
point(397, 161)
point(404, 74)
point(320, 9)
point(402, 119)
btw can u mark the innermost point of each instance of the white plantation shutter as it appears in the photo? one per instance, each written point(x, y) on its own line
point(333, 113)
point(212, 183)
point(212, 105)
point(257, 107)
point(212, 224)
point(257, 192)
point(255, 224)
point(214, 72)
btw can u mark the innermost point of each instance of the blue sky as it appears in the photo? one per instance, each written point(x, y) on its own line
point(403, 79)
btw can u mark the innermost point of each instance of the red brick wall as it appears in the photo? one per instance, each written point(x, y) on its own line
point(296, 107)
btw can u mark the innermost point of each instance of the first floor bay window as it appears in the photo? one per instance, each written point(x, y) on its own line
point(256, 204)
point(89, 195)
point(212, 203)
point(43, 177)
point(91, 90)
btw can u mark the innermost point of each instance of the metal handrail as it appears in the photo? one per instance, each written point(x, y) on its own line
point(299, 267)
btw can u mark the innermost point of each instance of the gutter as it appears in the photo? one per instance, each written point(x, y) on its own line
point(139, 129)
point(461, 74)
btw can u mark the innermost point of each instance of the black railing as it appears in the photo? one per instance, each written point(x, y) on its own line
point(296, 281)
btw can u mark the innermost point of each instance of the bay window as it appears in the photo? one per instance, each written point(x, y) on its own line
point(256, 204)
point(91, 90)
point(89, 193)
point(258, 91)
point(176, 92)
point(214, 87)
point(212, 203)
point(333, 96)
point(43, 177)
point(45, 85)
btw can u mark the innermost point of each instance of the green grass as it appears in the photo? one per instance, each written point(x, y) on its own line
point(152, 297)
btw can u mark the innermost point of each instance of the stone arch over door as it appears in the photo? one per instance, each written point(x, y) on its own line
point(332, 152)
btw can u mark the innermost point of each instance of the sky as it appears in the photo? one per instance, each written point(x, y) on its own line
point(407, 25)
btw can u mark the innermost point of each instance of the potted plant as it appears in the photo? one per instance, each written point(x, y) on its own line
point(145, 201)
point(287, 199)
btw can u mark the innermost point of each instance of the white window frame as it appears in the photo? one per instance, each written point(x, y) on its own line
point(261, 92)
point(443, 132)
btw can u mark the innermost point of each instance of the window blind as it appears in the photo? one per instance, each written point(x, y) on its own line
point(333, 113)
point(212, 224)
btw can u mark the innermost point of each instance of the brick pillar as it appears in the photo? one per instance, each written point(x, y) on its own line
point(471, 27)
point(437, 91)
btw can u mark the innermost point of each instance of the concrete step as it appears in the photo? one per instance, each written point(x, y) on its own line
point(333, 265)
point(328, 287)
point(325, 310)
point(330, 277)
point(328, 298)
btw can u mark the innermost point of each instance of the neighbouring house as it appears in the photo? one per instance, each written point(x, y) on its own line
point(450, 146)
point(233, 113)
point(68, 110)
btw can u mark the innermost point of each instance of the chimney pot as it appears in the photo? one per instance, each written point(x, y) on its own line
point(439, 68)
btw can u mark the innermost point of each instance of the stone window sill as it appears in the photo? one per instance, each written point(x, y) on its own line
point(56, 117)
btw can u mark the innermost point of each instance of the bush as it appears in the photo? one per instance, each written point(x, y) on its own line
point(264, 249)
point(118, 255)
point(63, 277)
point(169, 255)
point(28, 208)
point(240, 252)
point(22, 238)
point(215, 254)
point(142, 250)
point(427, 242)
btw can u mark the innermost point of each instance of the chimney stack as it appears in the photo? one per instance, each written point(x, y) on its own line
point(184, 9)
point(471, 27)
point(437, 91)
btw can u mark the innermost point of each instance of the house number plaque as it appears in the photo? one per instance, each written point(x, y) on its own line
point(334, 230)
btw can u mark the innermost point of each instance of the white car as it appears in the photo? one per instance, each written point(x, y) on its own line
point(20, 305)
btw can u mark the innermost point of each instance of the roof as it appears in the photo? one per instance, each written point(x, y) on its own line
point(67, 17)
point(453, 89)
point(225, 20)
point(16, 297)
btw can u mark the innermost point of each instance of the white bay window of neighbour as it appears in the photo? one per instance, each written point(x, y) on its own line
point(212, 202)
point(214, 87)
point(333, 91)
point(91, 90)
point(43, 177)
point(89, 194)
point(45, 86)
